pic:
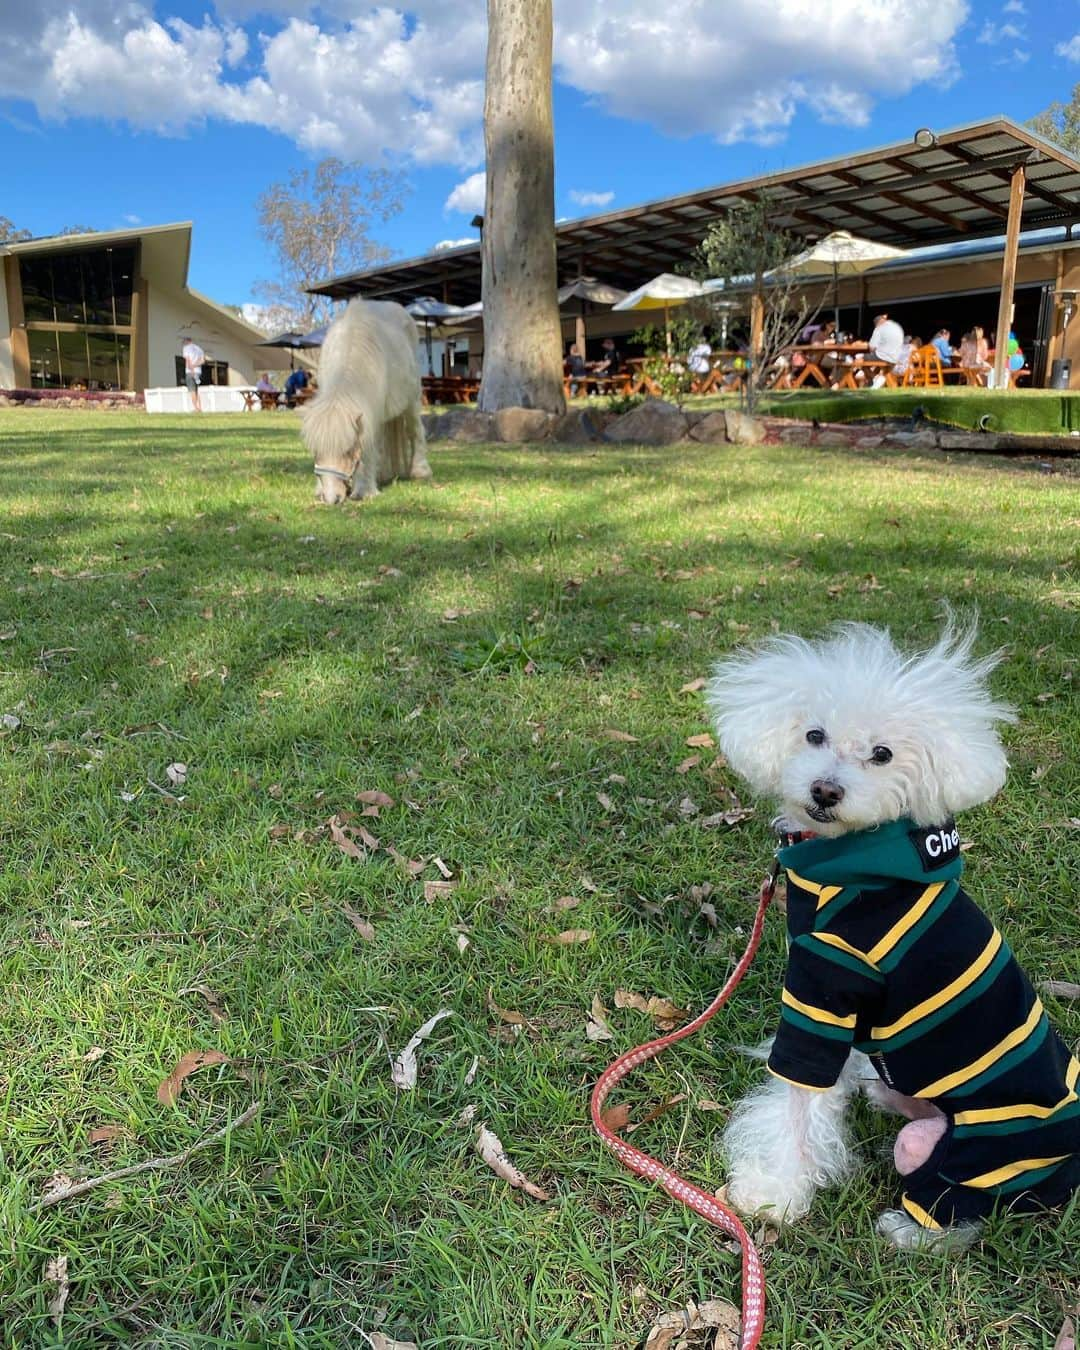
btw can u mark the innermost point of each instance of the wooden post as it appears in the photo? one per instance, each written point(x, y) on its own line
point(579, 331)
point(20, 343)
point(757, 326)
point(1008, 279)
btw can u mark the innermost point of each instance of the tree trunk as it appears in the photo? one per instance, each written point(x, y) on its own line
point(522, 334)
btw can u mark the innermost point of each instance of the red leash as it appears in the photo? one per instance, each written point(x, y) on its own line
point(701, 1202)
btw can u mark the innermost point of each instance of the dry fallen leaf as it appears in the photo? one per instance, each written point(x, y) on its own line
point(213, 1002)
point(56, 1272)
point(374, 798)
point(596, 1028)
point(435, 890)
point(470, 1077)
point(690, 762)
point(704, 1104)
point(348, 846)
point(442, 868)
point(605, 801)
point(693, 686)
point(732, 817)
point(665, 1106)
point(565, 902)
point(702, 741)
point(666, 1014)
point(106, 1134)
point(570, 936)
point(616, 1118)
point(403, 1069)
point(490, 1148)
point(176, 774)
point(1061, 988)
point(713, 1325)
point(612, 735)
point(507, 1015)
point(380, 1342)
point(360, 924)
point(93, 1055)
point(1066, 1337)
point(170, 1088)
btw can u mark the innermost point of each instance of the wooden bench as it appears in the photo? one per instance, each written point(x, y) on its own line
point(443, 389)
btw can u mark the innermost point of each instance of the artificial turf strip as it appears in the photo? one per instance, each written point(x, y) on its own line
point(172, 593)
point(1019, 412)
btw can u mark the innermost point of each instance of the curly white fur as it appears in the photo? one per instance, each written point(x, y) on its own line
point(935, 715)
point(364, 421)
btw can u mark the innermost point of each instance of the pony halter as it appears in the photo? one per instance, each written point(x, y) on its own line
point(333, 473)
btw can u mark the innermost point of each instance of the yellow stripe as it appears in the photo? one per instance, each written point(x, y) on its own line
point(920, 1215)
point(945, 995)
point(810, 886)
point(910, 919)
point(826, 894)
point(1012, 1170)
point(817, 1014)
point(808, 1087)
point(833, 941)
point(1022, 1110)
point(972, 1070)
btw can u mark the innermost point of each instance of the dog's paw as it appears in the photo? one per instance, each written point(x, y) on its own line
point(908, 1236)
point(761, 1198)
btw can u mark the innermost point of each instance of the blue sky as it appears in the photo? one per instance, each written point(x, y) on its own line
point(128, 111)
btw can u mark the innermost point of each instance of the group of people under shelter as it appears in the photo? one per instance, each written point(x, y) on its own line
point(889, 344)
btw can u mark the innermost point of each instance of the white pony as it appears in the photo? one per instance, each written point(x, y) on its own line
point(363, 425)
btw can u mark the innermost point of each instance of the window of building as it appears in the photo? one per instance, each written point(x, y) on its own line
point(78, 311)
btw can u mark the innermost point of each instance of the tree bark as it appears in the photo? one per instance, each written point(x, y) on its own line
point(522, 333)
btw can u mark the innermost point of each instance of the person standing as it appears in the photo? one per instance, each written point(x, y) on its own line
point(194, 356)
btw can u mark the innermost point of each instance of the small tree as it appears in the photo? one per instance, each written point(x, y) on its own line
point(10, 233)
point(667, 355)
point(747, 252)
point(1061, 123)
point(319, 224)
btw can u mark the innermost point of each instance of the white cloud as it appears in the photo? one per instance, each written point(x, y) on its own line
point(748, 76)
point(1071, 49)
point(451, 243)
point(368, 80)
point(468, 196)
point(1014, 7)
point(133, 220)
point(993, 33)
point(582, 198)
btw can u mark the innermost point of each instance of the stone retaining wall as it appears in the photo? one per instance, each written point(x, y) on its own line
point(656, 422)
point(70, 398)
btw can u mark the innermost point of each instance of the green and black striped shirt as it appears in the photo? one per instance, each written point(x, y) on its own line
point(890, 956)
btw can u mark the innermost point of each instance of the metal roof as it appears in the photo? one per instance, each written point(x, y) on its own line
point(901, 194)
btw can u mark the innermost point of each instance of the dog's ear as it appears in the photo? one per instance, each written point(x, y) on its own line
point(948, 689)
point(752, 702)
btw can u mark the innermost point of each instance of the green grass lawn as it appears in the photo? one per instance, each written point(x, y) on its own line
point(173, 594)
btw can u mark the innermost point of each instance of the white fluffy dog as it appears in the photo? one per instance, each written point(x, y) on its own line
point(363, 426)
point(896, 982)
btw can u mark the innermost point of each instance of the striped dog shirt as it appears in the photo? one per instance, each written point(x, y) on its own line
point(889, 955)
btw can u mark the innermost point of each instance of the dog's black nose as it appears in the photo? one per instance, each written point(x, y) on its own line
point(826, 793)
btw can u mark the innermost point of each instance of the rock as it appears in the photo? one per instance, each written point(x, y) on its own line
point(654, 423)
point(524, 424)
point(798, 433)
point(966, 440)
point(832, 438)
point(743, 429)
point(869, 442)
point(912, 440)
point(711, 429)
point(463, 424)
point(579, 426)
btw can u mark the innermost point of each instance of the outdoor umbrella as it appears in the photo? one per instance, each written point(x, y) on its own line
point(587, 290)
point(432, 314)
point(293, 341)
point(664, 292)
point(839, 254)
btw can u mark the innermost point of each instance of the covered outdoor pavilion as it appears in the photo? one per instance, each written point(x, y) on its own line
point(977, 182)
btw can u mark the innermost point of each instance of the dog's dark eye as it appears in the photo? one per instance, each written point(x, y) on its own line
point(881, 755)
point(815, 736)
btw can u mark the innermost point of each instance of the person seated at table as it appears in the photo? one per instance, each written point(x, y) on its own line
point(610, 362)
point(975, 351)
point(943, 346)
point(886, 340)
point(698, 358)
point(266, 384)
point(298, 380)
point(575, 366)
point(811, 333)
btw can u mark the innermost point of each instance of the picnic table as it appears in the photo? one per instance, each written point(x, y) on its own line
point(444, 389)
point(850, 359)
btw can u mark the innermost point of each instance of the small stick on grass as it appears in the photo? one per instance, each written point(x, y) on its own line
point(151, 1165)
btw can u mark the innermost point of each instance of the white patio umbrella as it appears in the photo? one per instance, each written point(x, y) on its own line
point(839, 254)
point(431, 314)
point(587, 290)
point(665, 292)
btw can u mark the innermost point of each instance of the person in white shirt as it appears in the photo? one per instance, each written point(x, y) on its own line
point(698, 358)
point(194, 356)
point(887, 340)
